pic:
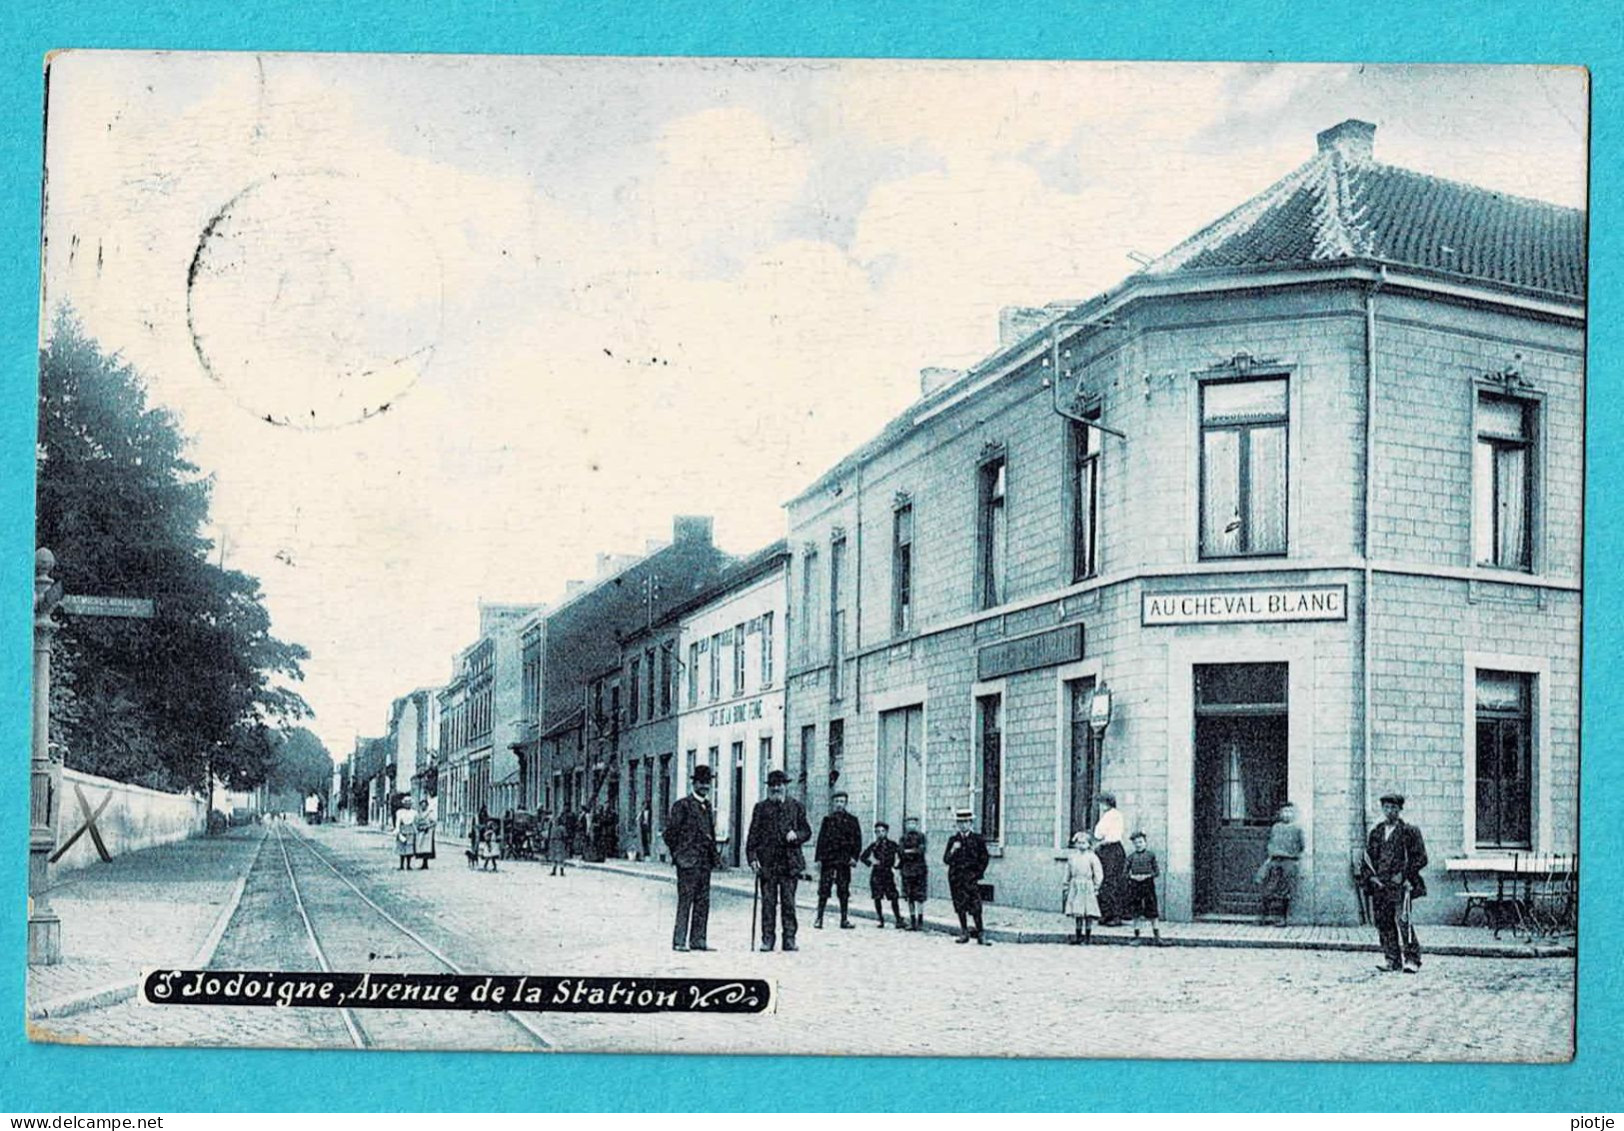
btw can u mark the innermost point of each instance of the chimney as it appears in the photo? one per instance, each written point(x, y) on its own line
point(692, 528)
point(1352, 140)
point(934, 377)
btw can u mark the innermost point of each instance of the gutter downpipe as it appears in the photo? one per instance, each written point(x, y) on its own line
point(1370, 498)
point(856, 644)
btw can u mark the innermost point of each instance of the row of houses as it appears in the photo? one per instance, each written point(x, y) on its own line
point(1291, 513)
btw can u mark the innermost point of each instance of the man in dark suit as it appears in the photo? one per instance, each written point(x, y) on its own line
point(966, 859)
point(690, 835)
point(840, 843)
point(1395, 853)
point(778, 828)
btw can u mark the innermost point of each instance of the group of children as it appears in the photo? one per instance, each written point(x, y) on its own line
point(1134, 897)
point(1080, 893)
point(483, 848)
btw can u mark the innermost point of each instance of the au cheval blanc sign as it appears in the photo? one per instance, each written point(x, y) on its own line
point(1240, 606)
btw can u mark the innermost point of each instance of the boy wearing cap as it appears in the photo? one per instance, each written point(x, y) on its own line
point(690, 835)
point(1140, 886)
point(966, 859)
point(840, 841)
point(915, 867)
point(778, 828)
point(881, 857)
point(1395, 854)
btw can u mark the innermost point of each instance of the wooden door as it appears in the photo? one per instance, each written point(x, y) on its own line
point(1240, 786)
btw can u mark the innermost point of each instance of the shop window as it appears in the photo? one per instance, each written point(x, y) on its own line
point(902, 570)
point(1502, 475)
point(1243, 468)
point(837, 749)
point(809, 739)
point(1504, 760)
point(991, 533)
point(1085, 499)
point(990, 735)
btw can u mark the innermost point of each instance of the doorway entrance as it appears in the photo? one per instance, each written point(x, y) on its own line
point(737, 807)
point(900, 785)
point(1240, 780)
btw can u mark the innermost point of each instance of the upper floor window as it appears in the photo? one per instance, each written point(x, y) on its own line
point(1243, 468)
point(991, 533)
point(902, 569)
point(766, 649)
point(665, 677)
point(1085, 499)
point(837, 613)
point(694, 648)
point(1502, 473)
point(716, 643)
point(649, 681)
point(809, 605)
point(738, 659)
point(636, 672)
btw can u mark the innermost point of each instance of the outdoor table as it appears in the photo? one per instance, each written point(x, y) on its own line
point(1520, 880)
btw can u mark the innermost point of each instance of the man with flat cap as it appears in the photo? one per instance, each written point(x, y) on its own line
point(966, 859)
point(1395, 854)
point(840, 843)
point(778, 828)
point(690, 834)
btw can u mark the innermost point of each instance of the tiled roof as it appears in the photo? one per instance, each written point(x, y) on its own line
point(1339, 206)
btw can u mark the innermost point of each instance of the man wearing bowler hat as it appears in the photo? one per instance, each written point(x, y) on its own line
point(690, 834)
point(778, 828)
point(1395, 853)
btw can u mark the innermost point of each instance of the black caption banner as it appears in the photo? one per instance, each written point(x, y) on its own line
point(496, 993)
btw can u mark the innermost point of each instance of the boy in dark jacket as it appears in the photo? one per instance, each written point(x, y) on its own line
point(840, 842)
point(881, 857)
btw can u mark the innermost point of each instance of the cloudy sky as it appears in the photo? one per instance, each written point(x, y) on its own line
point(445, 328)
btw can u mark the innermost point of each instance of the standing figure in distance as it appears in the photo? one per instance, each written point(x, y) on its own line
point(881, 856)
point(558, 843)
point(1395, 853)
point(840, 841)
point(1278, 874)
point(966, 859)
point(778, 828)
point(406, 832)
point(915, 871)
point(645, 830)
point(428, 820)
point(1108, 833)
point(1080, 894)
point(690, 835)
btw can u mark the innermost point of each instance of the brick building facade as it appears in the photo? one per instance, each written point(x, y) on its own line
point(1303, 495)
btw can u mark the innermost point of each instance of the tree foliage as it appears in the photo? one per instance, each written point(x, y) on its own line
point(301, 764)
point(160, 701)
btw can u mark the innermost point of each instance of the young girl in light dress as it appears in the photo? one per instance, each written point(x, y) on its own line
point(1081, 891)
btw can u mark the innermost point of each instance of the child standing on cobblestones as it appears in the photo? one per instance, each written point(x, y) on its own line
point(1141, 888)
point(881, 857)
point(1080, 893)
point(915, 871)
point(488, 849)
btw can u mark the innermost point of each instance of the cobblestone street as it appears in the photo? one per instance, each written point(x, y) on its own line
point(863, 991)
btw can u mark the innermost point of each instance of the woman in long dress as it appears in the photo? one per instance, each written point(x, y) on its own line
point(1080, 894)
point(558, 844)
point(405, 833)
point(1108, 833)
point(428, 814)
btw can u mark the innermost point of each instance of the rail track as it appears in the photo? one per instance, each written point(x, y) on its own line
point(326, 902)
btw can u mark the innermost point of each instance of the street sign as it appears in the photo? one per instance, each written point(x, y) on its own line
point(79, 605)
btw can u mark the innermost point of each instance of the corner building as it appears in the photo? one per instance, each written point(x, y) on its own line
point(1303, 496)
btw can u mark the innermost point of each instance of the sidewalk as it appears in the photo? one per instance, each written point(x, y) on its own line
point(1021, 925)
point(165, 906)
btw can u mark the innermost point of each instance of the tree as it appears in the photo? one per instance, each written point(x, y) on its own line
point(160, 702)
point(301, 763)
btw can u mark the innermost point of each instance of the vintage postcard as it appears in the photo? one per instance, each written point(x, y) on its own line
point(1045, 559)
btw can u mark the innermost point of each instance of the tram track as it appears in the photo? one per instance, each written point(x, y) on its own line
point(342, 942)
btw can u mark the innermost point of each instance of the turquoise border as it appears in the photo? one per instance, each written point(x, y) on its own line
point(52, 1079)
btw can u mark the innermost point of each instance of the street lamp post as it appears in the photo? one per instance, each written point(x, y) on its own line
point(45, 774)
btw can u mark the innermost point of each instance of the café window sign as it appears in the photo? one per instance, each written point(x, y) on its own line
point(1244, 606)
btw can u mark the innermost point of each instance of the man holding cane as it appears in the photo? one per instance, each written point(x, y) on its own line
point(1395, 854)
point(778, 828)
